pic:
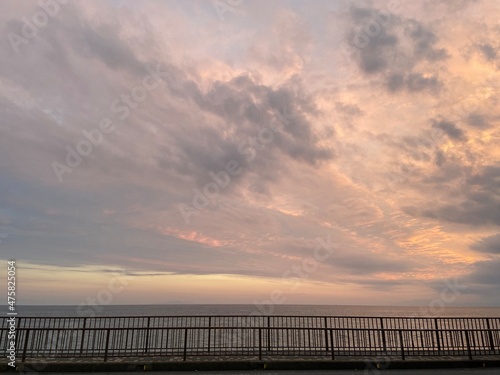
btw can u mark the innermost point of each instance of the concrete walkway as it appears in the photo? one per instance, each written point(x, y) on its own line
point(366, 367)
point(478, 371)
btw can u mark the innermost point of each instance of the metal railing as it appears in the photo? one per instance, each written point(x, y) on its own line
point(253, 336)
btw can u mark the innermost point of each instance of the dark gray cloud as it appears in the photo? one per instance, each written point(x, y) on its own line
point(490, 245)
point(449, 128)
point(104, 43)
point(477, 120)
point(413, 82)
point(366, 263)
point(477, 200)
point(355, 261)
point(245, 113)
point(248, 107)
point(449, 172)
point(424, 41)
point(488, 51)
point(439, 158)
point(476, 210)
point(416, 82)
point(348, 109)
point(485, 273)
point(379, 41)
point(374, 52)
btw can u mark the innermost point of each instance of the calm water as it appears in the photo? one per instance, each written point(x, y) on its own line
point(159, 310)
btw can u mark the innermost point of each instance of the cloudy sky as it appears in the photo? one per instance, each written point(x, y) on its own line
point(230, 151)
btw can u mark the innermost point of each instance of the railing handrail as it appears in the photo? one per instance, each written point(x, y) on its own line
point(260, 327)
point(257, 316)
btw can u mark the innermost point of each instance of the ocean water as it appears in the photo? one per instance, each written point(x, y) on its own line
point(286, 310)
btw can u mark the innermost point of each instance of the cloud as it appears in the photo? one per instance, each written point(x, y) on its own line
point(396, 49)
point(424, 41)
point(105, 44)
point(476, 202)
point(490, 245)
point(449, 128)
point(485, 273)
point(488, 51)
point(349, 109)
point(477, 120)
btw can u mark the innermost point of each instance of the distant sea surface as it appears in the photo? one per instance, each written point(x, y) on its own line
point(288, 310)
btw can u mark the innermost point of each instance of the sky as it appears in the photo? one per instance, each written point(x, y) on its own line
point(237, 151)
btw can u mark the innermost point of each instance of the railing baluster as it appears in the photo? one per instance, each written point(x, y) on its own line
point(26, 338)
point(260, 344)
point(185, 343)
point(18, 324)
point(326, 333)
point(490, 335)
point(402, 345)
point(107, 345)
point(384, 342)
point(467, 340)
point(209, 331)
point(438, 341)
point(147, 335)
point(83, 334)
point(332, 346)
point(268, 334)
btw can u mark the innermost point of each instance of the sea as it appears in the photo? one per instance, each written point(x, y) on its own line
point(276, 310)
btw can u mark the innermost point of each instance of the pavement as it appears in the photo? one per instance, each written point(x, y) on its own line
point(366, 367)
point(266, 366)
point(478, 371)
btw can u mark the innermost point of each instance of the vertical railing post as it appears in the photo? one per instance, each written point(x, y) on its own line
point(467, 340)
point(490, 335)
point(209, 331)
point(83, 335)
point(260, 344)
point(185, 344)
point(331, 340)
point(26, 338)
point(18, 327)
point(107, 346)
point(401, 344)
point(384, 342)
point(326, 334)
point(438, 341)
point(147, 336)
point(166, 339)
point(268, 334)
